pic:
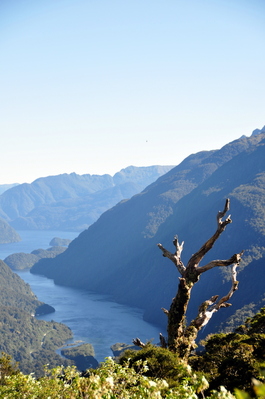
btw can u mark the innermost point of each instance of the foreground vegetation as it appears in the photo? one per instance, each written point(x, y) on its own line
point(111, 381)
point(230, 367)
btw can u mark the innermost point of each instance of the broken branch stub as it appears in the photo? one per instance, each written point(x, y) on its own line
point(176, 257)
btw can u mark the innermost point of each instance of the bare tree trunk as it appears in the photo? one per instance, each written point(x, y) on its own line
point(181, 339)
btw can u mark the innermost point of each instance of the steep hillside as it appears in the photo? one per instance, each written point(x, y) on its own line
point(15, 292)
point(118, 254)
point(243, 181)
point(29, 341)
point(4, 187)
point(7, 233)
point(72, 202)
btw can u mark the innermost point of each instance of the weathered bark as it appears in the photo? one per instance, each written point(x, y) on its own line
point(206, 311)
point(181, 339)
point(138, 342)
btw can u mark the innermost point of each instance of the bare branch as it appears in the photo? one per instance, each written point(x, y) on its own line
point(221, 225)
point(221, 214)
point(175, 258)
point(204, 306)
point(138, 342)
point(222, 301)
point(236, 258)
point(205, 313)
point(165, 311)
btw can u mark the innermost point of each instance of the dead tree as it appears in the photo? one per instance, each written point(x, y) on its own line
point(181, 338)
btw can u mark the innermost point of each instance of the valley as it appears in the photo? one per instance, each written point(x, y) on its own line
point(118, 254)
point(102, 285)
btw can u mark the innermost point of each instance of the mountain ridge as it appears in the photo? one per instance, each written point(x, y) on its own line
point(118, 255)
point(72, 201)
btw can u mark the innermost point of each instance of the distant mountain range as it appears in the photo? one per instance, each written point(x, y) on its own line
point(72, 202)
point(118, 255)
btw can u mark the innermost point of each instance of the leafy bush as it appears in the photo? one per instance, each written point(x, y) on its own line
point(163, 364)
point(234, 359)
point(7, 367)
point(110, 381)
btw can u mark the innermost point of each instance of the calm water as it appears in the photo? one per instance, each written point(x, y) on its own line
point(32, 240)
point(92, 318)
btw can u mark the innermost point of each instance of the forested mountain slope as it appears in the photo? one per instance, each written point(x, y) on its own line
point(71, 201)
point(15, 292)
point(29, 341)
point(7, 233)
point(118, 254)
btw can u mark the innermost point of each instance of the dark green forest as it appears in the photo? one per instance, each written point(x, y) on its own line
point(29, 341)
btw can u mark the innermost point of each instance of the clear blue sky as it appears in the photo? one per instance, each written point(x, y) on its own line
point(93, 86)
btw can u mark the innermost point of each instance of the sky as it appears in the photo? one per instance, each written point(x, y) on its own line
point(94, 86)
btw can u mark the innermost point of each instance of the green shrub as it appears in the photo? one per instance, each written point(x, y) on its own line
point(110, 381)
point(7, 367)
point(163, 364)
point(231, 360)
